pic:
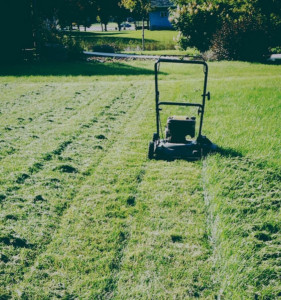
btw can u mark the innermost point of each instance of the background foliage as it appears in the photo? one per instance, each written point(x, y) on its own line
point(243, 29)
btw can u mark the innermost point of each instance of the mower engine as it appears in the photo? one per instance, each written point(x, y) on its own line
point(178, 128)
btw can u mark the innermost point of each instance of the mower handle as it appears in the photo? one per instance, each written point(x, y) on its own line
point(182, 61)
point(180, 104)
point(204, 95)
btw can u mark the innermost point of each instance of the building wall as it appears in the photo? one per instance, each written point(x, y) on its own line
point(159, 20)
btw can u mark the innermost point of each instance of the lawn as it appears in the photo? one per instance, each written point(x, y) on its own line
point(129, 40)
point(85, 215)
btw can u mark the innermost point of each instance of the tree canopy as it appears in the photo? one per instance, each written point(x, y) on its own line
point(83, 12)
point(243, 29)
point(140, 7)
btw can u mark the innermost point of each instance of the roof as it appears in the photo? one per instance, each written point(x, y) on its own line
point(161, 3)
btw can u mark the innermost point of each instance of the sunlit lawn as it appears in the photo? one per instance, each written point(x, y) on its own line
point(85, 215)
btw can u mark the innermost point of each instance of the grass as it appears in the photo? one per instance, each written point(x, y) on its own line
point(190, 51)
point(129, 40)
point(85, 215)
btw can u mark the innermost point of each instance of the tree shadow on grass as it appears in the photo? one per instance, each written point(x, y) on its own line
point(111, 36)
point(118, 40)
point(73, 69)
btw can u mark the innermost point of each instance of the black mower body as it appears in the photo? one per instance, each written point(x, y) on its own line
point(175, 145)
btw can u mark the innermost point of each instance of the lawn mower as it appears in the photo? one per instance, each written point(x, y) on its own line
point(175, 145)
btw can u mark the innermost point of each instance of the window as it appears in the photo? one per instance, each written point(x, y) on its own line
point(163, 14)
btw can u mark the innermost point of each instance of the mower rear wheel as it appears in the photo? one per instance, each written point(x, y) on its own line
point(150, 150)
point(155, 137)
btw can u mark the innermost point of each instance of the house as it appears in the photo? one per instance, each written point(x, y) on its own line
point(159, 16)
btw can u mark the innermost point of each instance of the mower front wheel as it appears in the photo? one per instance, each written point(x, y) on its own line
point(150, 150)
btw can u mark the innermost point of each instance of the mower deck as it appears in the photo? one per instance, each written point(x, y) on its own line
point(191, 150)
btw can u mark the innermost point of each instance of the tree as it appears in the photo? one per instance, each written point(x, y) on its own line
point(243, 29)
point(141, 8)
point(15, 29)
point(119, 13)
point(110, 9)
point(104, 10)
point(66, 12)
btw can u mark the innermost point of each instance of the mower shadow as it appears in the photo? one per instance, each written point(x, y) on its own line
point(73, 69)
point(228, 152)
point(225, 152)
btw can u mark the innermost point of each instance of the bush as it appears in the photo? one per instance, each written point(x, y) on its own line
point(197, 24)
point(73, 48)
point(240, 40)
point(112, 48)
point(275, 50)
point(55, 45)
point(240, 30)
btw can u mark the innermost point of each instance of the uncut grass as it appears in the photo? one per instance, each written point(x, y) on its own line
point(243, 182)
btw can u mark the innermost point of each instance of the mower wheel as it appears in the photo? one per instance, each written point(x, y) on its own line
point(155, 137)
point(150, 150)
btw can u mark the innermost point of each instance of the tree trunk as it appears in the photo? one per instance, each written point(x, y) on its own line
point(34, 24)
point(101, 26)
point(143, 34)
point(105, 27)
point(119, 26)
point(85, 28)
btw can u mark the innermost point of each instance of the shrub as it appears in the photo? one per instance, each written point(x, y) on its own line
point(197, 24)
point(107, 48)
point(240, 39)
point(55, 45)
point(243, 30)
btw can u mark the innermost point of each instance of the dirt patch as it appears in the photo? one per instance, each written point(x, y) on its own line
point(101, 137)
point(38, 198)
point(66, 169)
point(21, 178)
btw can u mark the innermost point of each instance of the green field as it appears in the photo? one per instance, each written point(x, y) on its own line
point(129, 40)
point(85, 215)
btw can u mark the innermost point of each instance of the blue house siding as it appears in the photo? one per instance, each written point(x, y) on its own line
point(159, 20)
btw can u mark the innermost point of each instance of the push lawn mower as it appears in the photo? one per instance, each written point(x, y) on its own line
point(175, 145)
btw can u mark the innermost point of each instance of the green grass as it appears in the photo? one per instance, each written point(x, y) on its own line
point(85, 215)
point(190, 51)
point(129, 40)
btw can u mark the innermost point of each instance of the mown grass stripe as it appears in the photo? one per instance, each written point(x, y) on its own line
point(20, 162)
point(168, 255)
point(50, 203)
point(111, 284)
point(95, 222)
point(51, 109)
